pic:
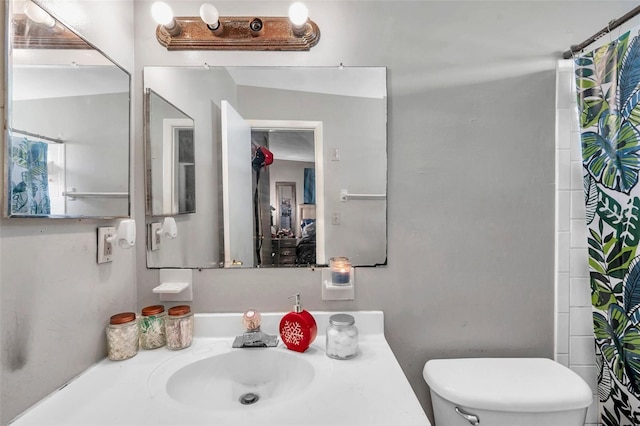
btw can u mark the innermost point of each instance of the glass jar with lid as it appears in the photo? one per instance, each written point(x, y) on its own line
point(179, 327)
point(342, 337)
point(122, 336)
point(152, 327)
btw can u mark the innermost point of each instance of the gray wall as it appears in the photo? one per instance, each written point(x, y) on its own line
point(471, 180)
point(54, 299)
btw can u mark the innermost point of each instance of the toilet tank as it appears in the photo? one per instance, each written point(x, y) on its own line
point(506, 392)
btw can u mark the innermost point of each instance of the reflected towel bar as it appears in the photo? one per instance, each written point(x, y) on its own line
point(74, 194)
point(345, 196)
point(35, 135)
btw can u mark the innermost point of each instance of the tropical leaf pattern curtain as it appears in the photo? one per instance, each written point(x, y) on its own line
point(29, 177)
point(608, 90)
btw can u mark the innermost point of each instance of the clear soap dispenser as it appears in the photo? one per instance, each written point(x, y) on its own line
point(298, 328)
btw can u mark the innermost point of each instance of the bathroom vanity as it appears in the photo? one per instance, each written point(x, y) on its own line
point(212, 383)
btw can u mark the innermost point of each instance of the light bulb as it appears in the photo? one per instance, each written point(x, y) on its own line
point(209, 14)
point(162, 13)
point(38, 15)
point(298, 14)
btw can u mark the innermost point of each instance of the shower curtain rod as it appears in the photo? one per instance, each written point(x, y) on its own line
point(612, 25)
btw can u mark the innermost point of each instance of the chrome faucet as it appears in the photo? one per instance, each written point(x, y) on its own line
point(254, 337)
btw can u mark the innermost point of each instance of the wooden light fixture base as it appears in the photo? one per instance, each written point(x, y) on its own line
point(276, 33)
point(30, 35)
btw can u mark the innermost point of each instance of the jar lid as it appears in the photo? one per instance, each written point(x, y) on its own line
point(152, 310)
point(179, 310)
point(122, 318)
point(341, 319)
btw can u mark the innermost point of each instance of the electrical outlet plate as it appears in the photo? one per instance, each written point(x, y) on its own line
point(154, 236)
point(335, 218)
point(105, 248)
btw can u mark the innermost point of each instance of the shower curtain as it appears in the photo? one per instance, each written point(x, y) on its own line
point(29, 177)
point(309, 185)
point(608, 90)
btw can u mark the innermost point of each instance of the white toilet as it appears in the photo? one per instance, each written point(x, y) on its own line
point(506, 392)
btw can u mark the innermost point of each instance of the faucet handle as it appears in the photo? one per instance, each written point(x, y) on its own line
point(251, 320)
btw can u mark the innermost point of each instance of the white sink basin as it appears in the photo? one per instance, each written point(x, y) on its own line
point(202, 385)
point(239, 379)
point(242, 377)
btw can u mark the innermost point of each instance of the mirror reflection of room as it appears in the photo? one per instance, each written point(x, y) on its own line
point(170, 153)
point(291, 189)
point(337, 118)
point(68, 124)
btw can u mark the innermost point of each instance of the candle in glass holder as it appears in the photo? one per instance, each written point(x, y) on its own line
point(340, 270)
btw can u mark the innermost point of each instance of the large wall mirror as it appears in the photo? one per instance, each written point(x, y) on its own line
point(68, 122)
point(290, 166)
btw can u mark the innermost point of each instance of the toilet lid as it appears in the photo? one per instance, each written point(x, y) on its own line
point(507, 384)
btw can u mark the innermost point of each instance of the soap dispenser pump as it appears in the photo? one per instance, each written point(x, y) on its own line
point(298, 328)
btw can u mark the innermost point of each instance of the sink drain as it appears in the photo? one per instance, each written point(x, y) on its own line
point(249, 398)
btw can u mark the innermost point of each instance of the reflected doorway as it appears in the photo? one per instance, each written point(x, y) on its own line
point(286, 207)
point(284, 215)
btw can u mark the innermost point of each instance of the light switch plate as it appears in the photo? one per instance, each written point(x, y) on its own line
point(105, 248)
point(154, 236)
point(335, 218)
point(335, 154)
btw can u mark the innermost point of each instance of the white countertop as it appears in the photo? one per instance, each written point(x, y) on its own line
point(370, 389)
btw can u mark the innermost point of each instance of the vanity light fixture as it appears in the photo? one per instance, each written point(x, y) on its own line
point(210, 31)
point(163, 15)
point(35, 28)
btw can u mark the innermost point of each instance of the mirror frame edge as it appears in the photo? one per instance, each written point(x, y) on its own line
point(147, 91)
